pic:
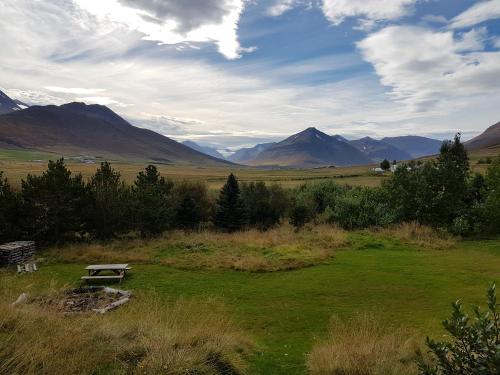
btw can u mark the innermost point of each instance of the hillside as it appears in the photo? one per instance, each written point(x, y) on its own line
point(311, 148)
point(247, 154)
point(204, 149)
point(7, 104)
point(379, 150)
point(91, 130)
point(488, 139)
point(414, 145)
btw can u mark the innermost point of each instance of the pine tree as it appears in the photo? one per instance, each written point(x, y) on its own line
point(152, 205)
point(107, 214)
point(9, 211)
point(54, 203)
point(230, 214)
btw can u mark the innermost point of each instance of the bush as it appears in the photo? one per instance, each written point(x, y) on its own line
point(475, 347)
point(490, 211)
point(264, 207)
point(362, 208)
point(385, 165)
point(192, 204)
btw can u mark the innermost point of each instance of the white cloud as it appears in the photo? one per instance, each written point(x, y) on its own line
point(478, 13)
point(280, 7)
point(171, 22)
point(426, 69)
point(73, 90)
point(376, 10)
point(472, 40)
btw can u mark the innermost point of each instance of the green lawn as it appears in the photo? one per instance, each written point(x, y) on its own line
point(285, 312)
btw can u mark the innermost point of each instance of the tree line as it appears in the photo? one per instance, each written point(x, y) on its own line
point(58, 206)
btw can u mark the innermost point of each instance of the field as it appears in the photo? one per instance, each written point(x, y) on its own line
point(401, 277)
point(17, 164)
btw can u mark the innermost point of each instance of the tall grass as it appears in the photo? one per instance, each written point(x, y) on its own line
point(420, 235)
point(145, 337)
point(281, 248)
point(361, 346)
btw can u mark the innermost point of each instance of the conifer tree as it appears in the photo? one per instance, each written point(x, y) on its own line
point(153, 209)
point(107, 213)
point(230, 214)
point(54, 203)
point(9, 211)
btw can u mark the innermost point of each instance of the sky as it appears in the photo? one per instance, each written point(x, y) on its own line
point(233, 73)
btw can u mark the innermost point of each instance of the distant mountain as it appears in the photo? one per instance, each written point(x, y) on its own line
point(8, 105)
point(77, 128)
point(489, 138)
point(245, 155)
point(379, 150)
point(311, 148)
point(204, 149)
point(414, 145)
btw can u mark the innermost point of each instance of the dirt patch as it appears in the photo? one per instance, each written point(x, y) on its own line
point(84, 299)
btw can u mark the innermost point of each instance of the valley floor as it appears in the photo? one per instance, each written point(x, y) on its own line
point(395, 280)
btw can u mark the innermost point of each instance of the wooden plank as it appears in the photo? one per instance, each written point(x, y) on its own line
point(104, 267)
point(102, 277)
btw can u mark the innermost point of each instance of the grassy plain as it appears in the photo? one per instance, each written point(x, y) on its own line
point(397, 277)
point(17, 164)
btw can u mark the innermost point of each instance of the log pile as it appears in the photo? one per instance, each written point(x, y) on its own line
point(16, 252)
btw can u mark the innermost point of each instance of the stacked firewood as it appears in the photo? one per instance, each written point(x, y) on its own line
point(16, 252)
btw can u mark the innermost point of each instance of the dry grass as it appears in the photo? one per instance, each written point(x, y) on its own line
point(420, 235)
point(278, 249)
point(360, 346)
point(145, 337)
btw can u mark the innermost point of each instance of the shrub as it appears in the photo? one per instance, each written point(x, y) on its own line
point(385, 165)
point(362, 208)
point(490, 211)
point(192, 204)
point(264, 207)
point(475, 347)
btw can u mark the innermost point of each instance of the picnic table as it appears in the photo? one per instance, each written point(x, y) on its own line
point(118, 272)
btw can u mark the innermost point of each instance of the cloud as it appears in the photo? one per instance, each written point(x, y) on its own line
point(478, 13)
point(280, 7)
point(73, 90)
point(174, 22)
point(375, 10)
point(427, 69)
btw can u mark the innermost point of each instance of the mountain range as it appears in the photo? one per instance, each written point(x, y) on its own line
point(77, 128)
point(9, 105)
point(203, 149)
point(95, 130)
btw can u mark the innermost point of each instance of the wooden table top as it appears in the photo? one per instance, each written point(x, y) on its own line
point(95, 267)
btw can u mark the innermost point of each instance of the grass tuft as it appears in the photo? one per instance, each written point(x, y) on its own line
point(361, 346)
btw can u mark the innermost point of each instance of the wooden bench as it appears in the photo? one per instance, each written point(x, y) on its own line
point(107, 277)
